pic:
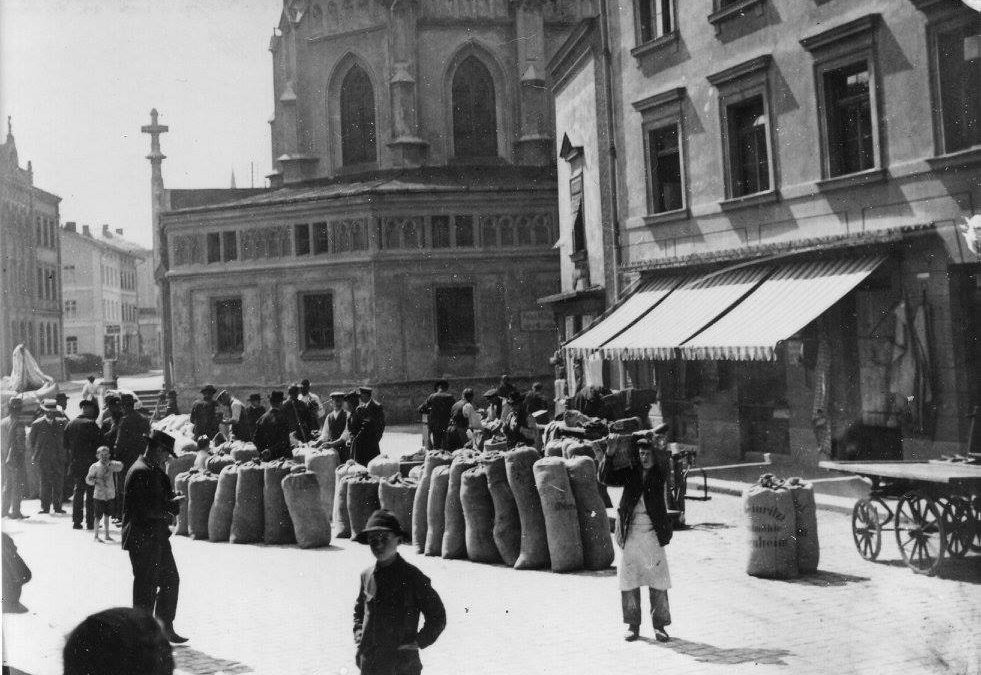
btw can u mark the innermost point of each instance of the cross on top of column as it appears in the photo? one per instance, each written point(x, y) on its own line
point(154, 129)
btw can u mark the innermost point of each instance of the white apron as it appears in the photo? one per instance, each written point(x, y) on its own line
point(643, 562)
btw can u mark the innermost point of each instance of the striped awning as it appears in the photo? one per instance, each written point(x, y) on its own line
point(682, 315)
point(621, 316)
point(789, 299)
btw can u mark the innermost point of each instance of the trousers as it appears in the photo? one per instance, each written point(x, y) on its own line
point(402, 662)
point(13, 488)
point(156, 582)
point(660, 611)
point(82, 495)
point(50, 478)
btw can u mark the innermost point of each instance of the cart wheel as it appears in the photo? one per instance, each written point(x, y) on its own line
point(974, 507)
point(866, 529)
point(958, 524)
point(920, 533)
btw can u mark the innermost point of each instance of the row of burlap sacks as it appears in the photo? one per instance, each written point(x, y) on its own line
point(782, 527)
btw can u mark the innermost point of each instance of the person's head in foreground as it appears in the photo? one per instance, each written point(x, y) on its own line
point(159, 447)
point(118, 641)
point(383, 534)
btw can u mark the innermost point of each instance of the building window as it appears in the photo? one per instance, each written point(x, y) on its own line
point(229, 245)
point(301, 239)
point(578, 214)
point(357, 118)
point(55, 343)
point(848, 119)
point(214, 247)
point(958, 62)
point(71, 309)
point(321, 238)
point(463, 231)
point(441, 231)
point(656, 19)
point(455, 329)
point(317, 321)
point(664, 169)
point(749, 165)
point(228, 326)
point(474, 110)
point(71, 345)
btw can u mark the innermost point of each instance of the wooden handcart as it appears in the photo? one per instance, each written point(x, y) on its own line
point(936, 509)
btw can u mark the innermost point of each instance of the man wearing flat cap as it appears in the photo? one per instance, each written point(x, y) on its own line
point(47, 451)
point(149, 505)
point(272, 432)
point(335, 424)
point(82, 438)
point(204, 413)
point(393, 595)
point(367, 426)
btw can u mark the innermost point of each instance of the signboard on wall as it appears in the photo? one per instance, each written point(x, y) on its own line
point(537, 320)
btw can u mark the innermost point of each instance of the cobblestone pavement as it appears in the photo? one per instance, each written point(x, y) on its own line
point(272, 609)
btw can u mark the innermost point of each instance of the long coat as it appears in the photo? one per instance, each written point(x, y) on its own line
point(148, 505)
point(636, 487)
point(48, 443)
point(131, 432)
point(82, 438)
point(367, 425)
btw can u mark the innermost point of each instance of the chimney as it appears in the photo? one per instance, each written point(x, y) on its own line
point(70, 226)
point(105, 231)
point(86, 231)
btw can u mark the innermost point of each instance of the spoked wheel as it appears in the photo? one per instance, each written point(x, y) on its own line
point(976, 523)
point(867, 529)
point(958, 525)
point(920, 533)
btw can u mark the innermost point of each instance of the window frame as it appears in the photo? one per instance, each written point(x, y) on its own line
point(369, 89)
point(306, 351)
point(959, 20)
point(655, 37)
point(212, 248)
point(298, 238)
point(657, 112)
point(217, 352)
point(71, 345)
point(451, 350)
point(226, 255)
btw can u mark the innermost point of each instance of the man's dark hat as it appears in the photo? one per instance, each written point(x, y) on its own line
point(161, 439)
point(304, 382)
point(338, 394)
point(364, 390)
point(516, 396)
point(111, 397)
point(127, 398)
point(541, 416)
point(208, 389)
point(87, 403)
point(492, 393)
point(61, 396)
point(294, 387)
point(351, 395)
point(442, 383)
point(255, 397)
point(276, 397)
point(381, 521)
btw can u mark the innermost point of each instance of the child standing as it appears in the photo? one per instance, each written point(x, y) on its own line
point(101, 477)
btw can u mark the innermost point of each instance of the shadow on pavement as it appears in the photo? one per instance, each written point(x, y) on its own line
point(825, 578)
point(705, 653)
point(707, 526)
point(967, 570)
point(191, 660)
point(14, 608)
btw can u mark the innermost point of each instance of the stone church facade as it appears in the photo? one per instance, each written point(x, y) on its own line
point(411, 220)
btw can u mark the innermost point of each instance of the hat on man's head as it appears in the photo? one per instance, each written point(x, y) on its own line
point(365, 390)
point(492, 393)
point(293, 388)
point(172, 393)
point(49, 404)
point(304, 382)
point(255, 397)
point(87, 403)
point(208, 389)
point(337, 394)
point(127, 398)
point(516, 396)
point(351, 395)
point(111, 397)
point(276, 397)
point(382, 521)
point(61, 396)
point(161, 439)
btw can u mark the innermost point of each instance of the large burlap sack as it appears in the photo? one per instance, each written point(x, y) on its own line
point(341, 517)
point(201, 490)
point(769, 508)
point(244, 452)
point(415, 473)
point(323, 463)
point(277, 524)
point(383, 466)
point(180, 486)
point(420, 507)
point(554, 448)
point(594, 525)
point(627, 425)
point(178, 465)
point(805, 519)
point(454, 527)
point(362, 500)
point(436, 509)
point(248, 517)
point(223, 506)
point(496, 444)
point(396, 494)
point(184, 445)
point(303, 500)
point(575, 448)
point(478, 516)
point(216, 463)
point(534, 543)
point(561, 519)
point(625, 449)
point(507, 522)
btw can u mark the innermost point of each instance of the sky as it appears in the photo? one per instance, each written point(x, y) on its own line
point(79, 78)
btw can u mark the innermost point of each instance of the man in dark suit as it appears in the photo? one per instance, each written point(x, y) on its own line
point(367, 426)
point(298, 415)
point(82, 438)
point(131, 432)
point(272, 432)
point(437, 410)
point(149, 503)
point(204, 413)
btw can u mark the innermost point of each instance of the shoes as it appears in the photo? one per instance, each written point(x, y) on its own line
point(173, 637)
point(77, 526)
point(661, 635)
point(632, 633)
point(90, 527)
point(42, 512)
point(60, 511)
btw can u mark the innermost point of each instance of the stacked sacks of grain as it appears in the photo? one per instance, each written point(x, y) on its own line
point(534, 544)
point(362, 500)
point(179, 464)
point(244, 452)
point(415, 473)
point(341, 517)
point(248, 516)
point(180, 487)
point(420, 510)
point(576, 448)
point(594, 526)
point(201, 490)
point(627, 425)
point(383, 466)
point(216, 463)
point(454, 528)
point(561, 519)
point(805, 523)
point(436, 509)
point(302, 493)
point(554, 447)
point(478, 515)
point(769, 507)
point(277, 524)
point(323, 463)
point(223, 507)
point(396, 494)
point(496, 444)
point(625, 449)
point(507, 522)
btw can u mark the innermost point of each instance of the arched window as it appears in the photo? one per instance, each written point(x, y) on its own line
point(357, 118)
point(474, 110)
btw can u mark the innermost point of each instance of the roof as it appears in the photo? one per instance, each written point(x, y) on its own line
point(112, 241)
point(187, 199)
point(397, 181)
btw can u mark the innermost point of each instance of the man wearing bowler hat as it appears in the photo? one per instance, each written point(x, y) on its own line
point(83, 437)
point(367, 426)
point(47, 441)
point(272, 432)
point(149, 504)
point(204, 413)
point(393, 595)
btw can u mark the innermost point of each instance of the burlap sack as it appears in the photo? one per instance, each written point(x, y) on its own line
point(201, 490)
point(594, 525)
point(772, 529)
point(303, 500)
point(383, 466)
point(396, 494)
point(436, 509)
point(507, 522)
point(420, 508)
point(248, 517)
point(478, 516)
point(223, 506)
point(323, 463)
point(805, 519)
point(180, 486)
point(277, 524)
point(534, 542)
point(362, 500)
point(561, 519)
point(455, 529)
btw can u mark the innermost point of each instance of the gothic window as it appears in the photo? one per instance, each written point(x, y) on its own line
point(474, 110)
point(357, 118)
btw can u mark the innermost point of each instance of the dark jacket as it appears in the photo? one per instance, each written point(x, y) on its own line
point(82, 438)
point(48, 442)
point(272, 434)
point(252, 416)
point(635, 487)
point(13, 441)
point(148, 505)
point(534, 402)
point(386, 614)
point(455, 438)
point(437, 407)
point(131, 432)
point(367, 426)
point(298, 418)
point(205, 418)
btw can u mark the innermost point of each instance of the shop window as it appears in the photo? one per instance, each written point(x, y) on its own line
point(71, 345)
point(455, 329)
point(749, 164)
point(301, 239)
point(214, 247)
point(655, 19)
point(474, 110)
point(958, 63)
point(229, 338)
point(441, 231)
point(357, 118)
point(317, 321)
point(229, 245)
point(664, 169)
point(321, 238)
point(463, 231)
